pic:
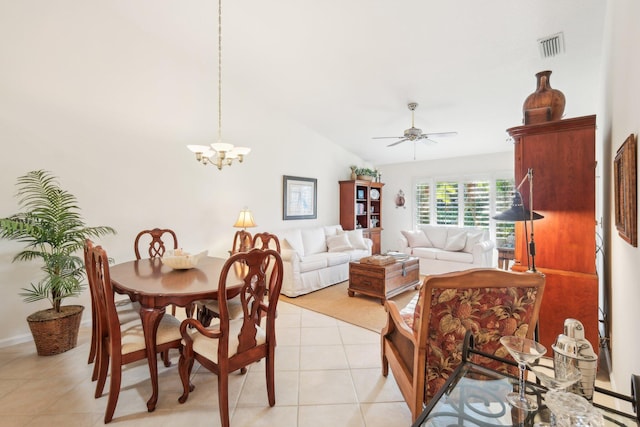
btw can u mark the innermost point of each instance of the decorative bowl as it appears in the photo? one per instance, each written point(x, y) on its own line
point(181, 260)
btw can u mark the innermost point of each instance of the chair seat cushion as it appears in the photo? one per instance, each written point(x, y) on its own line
point(208, 347)
point(234, 307)
point(133, 335)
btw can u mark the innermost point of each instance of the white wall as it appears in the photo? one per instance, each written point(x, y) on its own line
point(621, 117)
point(109, 110)
point(401, 177)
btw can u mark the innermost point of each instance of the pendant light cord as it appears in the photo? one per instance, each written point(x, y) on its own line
point(219, 70)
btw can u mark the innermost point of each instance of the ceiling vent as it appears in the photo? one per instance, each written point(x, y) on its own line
point(551, 45)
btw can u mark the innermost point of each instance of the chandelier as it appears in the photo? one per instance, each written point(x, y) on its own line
point(219, 153)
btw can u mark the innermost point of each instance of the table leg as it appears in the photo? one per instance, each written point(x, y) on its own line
point(150, 320)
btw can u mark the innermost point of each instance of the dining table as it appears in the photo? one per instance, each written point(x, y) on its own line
point(155, 285)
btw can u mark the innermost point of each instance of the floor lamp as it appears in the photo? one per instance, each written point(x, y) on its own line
point(518, 212)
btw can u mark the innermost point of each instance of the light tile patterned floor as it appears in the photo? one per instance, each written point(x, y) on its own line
point(327, 374)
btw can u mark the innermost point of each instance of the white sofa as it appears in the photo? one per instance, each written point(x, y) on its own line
point(317, 257)
point(442, 249)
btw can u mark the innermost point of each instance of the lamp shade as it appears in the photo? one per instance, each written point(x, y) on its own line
point(245, 219)
point(517, 211)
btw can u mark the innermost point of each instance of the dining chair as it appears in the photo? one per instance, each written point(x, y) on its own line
point(122, 343)
point(422, 343)
point(127, 310)
point(208, 309)
point(232, 344)
point(156, 248)
point(242, 241)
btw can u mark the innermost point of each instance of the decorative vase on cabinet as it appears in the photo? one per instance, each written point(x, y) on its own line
point(545, 104)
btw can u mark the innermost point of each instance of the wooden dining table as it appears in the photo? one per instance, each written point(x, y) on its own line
point(155, 286)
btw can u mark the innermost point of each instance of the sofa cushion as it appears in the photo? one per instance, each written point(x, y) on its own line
point(427, 253)
point(356, 238)
point(332, 230)
point(313, 262)
point(417, 238)
point(339, 243)
point(437, 235)
point(294, 239)
point(454, 256)
point(456, 239)
point(337, 258)
point(314, 240)
point(356, 254)
point(473, 237)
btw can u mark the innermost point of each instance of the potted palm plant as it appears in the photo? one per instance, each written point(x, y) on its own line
point(54, 233)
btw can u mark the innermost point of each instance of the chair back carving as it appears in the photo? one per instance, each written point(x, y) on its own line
point(266, 241)
point(490, 303)
point(157, 246)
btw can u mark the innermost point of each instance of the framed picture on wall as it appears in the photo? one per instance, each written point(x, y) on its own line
point(625, 189)
point(300, 197)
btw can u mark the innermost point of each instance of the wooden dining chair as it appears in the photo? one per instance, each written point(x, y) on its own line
point(423, 343)
point(233, 344)
point(127, 310)
point(208, 309)
point(156, 245)
point(121, 343)
point(242, 241)
point(156, 248)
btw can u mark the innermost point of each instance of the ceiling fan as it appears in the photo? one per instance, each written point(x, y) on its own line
point(415, 134)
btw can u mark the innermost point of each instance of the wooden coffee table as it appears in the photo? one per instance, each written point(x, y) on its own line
point(383, 281)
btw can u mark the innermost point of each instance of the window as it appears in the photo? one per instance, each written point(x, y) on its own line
point(423, 203)
point(466, 202)
point(504, 198)
point(447, 203)
point(477, 204)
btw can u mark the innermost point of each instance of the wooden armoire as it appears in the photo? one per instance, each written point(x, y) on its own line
point(562, 157)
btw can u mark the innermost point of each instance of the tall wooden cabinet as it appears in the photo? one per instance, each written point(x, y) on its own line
point(361, 207)
point(562, 156)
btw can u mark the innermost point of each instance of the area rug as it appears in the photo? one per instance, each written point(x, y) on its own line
point(360, 310)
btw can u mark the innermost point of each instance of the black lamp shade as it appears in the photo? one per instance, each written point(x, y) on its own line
point(517, 212)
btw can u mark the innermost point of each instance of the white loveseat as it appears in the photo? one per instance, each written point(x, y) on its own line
point(317, 257)
point(442, 249)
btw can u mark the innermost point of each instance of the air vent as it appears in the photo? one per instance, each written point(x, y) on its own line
point(551, 45)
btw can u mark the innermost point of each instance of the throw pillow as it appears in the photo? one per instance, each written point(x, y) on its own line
point(294, 239)
point(472, 239)
point(339, 243)
point(455, 240)
point(314, 240)
point(416, 239)
point(356, 239)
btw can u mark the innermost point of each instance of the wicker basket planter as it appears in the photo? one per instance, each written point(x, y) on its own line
point(365, 178)
point(55, 333)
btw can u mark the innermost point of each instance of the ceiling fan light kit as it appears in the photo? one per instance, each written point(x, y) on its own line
point(414, 133)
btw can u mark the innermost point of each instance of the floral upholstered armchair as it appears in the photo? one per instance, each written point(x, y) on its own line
point(422, 343)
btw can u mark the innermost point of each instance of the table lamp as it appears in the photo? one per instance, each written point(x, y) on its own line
point(518, 212)
point(242, 239)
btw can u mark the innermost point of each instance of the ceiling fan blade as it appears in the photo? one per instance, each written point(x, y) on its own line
point(428, 140)
point(398, 142)
point(440, 134)
point(385, 137)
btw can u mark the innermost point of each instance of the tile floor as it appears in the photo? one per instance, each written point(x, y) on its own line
point(327, 374)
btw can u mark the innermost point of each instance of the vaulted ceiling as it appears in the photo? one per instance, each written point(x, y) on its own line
point(346, 69)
